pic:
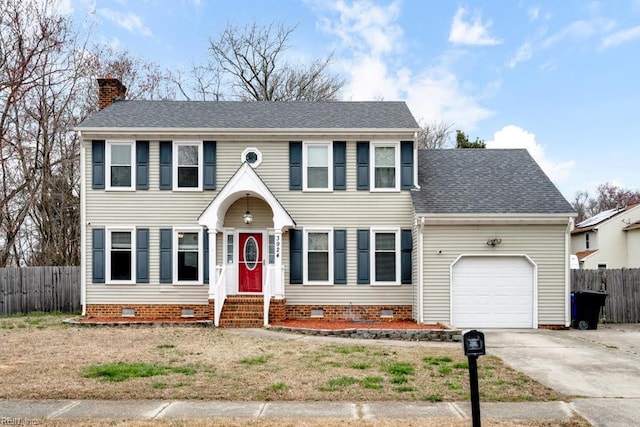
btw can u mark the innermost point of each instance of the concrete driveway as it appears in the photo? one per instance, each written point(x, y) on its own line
point(601, 368)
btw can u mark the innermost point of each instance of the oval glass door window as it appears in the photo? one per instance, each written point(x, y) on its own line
point(251, 253)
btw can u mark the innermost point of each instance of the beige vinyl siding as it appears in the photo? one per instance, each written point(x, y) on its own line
point(154, 209)
point(544, 244)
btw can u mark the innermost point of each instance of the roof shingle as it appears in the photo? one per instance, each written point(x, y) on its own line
point(486, 181)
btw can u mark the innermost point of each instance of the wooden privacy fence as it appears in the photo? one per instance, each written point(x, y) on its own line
point(23, 290)
point(622, 285)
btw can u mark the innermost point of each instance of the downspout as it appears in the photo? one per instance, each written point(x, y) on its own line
point(83, 229)
point(421, 273)
point(567, 272)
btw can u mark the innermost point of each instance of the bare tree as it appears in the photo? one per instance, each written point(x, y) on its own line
point(250, 64)
point(608, 196)
point(434, 135)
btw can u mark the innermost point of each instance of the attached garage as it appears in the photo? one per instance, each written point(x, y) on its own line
point(493, 292)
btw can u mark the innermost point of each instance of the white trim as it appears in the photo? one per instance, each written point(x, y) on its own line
point(567, 273)
point(107, 163)
point(243, 156)
point(305, 255)
point(534, 316)
point(372, 165)
point(305, 165)
point(107, 263)
point(174, 254)
point(495, 218)
point(83, 229)
point(258, 132)
point(372, 255)
point(174, 162)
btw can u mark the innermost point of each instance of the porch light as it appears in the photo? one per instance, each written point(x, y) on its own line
point(247, 217)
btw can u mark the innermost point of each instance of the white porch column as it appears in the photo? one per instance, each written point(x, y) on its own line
point(213, 271)
point(278, 288)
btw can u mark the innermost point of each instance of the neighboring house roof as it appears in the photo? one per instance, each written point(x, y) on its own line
point(583, 254)
point(634, 226)
point(461, 181)
point(252, 115)
point(593, 222)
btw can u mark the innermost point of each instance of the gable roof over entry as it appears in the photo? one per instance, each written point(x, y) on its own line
point(485, 181)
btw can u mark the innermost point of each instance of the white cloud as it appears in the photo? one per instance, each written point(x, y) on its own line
point(369, 55)
point(524, 53)
point(474, 32)
point(534, 12)
point(512, 136)
point(579, 30)
point(620, 37)
point(129, 21)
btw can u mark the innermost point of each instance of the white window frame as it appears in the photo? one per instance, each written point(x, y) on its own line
point(372, 165)
point(305, 252)
point(174, 255)
point(174, 154)
point(132, 145)
point(243, 157)
point(305, 165)
point(372, 255)
point(110, 230)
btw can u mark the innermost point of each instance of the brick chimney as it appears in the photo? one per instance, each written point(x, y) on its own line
point(110, 90)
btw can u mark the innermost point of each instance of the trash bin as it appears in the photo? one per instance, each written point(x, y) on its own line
point(586, 308)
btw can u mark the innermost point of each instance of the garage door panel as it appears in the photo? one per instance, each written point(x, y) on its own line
point(492, 292)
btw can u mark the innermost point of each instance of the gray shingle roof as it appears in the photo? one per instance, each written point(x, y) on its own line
point(253, 115)
point(484, 181)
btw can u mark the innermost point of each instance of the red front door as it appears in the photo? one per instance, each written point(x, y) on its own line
point(250, 262)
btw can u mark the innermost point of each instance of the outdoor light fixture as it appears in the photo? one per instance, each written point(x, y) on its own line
point(247, 217)
point(494, 242)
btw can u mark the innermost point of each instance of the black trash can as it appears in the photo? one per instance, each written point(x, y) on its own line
point(587, 308)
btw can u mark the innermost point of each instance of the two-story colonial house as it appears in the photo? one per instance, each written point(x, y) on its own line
point(246, 213)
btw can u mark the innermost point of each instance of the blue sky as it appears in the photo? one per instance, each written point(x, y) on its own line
point(560, 78)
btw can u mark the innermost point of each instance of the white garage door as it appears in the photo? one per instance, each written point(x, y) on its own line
point(492, 292)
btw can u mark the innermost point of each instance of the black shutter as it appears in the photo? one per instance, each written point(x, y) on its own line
point(406, 165)
point(166, 171)
point(295, 256)
point(97, 165)
point(209, 154)
point(205, 249)
point(364, 271)
point(406, 246)
point(340, 257)
point(339, 165)
point(295, 166)
point(362, 163)
point(98, 257)
point(166, 267)
point(142, 255)
point(142, 165)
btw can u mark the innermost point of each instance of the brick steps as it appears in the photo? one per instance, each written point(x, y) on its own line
point(240, 311)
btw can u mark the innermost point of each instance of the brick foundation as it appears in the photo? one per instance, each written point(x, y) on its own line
point(349, 312)
point(151, 311)
point(278, 311)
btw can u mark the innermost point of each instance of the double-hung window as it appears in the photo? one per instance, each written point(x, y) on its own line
point(317, 166)
point(318, 260)
point(385, 262)
point(385, 160)
point(188, 259)
point(121, 263)
point(187, 170)
point(121, 159)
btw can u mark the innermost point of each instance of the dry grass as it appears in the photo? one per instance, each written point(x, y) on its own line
point(41, 358)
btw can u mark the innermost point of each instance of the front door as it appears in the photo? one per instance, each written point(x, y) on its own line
point(250, 262)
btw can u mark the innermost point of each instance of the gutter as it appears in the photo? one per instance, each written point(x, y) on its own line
point(567, 269)
point(83, 231)
point(421, 272)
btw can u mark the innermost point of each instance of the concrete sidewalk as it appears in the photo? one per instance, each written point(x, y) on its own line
point(28, 410)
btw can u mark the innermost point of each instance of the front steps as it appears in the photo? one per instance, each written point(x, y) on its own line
point(242, 311)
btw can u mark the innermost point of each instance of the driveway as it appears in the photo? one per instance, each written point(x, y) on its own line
point(601, 368)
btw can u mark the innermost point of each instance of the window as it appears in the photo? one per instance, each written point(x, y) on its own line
point(317, 161)
point(253, 156)
point(120, 161)
point(188, 257)
point(187, 170)
point(586, 240)
point(272, 249)
point(602, 266)
point(385, 161)
point(230, 248)
point(120, 255)
point(385, 262)
point(318, 260)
